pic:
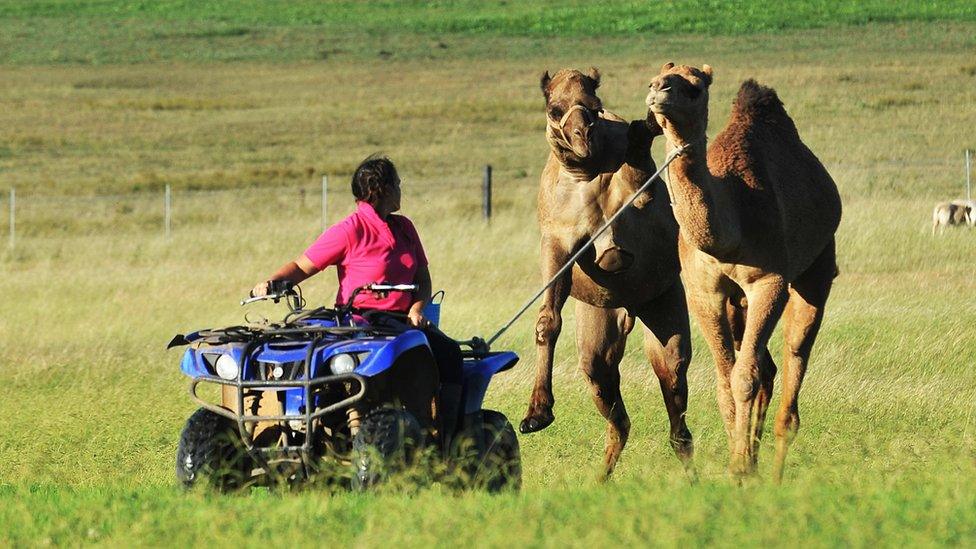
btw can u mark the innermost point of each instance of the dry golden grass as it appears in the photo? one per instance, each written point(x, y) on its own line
point(889, 118)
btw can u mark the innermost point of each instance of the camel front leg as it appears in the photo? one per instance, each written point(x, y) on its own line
point(547, 328)
point(766, 299)
point(707, 301)
point(736, 311)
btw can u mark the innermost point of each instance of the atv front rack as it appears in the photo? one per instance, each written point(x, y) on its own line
point(308, 384)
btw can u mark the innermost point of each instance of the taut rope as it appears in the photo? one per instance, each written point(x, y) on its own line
point(569, 263)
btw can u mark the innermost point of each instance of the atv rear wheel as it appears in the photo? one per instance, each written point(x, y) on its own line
point(210, 449)
point(385, 444)
point(488, 454)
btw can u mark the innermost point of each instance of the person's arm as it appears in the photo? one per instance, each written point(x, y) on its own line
point(295, 271)
point(328, 249)
point(415, 316)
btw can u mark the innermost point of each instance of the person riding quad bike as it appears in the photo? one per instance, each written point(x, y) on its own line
point(372, 245)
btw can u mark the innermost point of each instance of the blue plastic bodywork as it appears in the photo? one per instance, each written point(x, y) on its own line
point(375, 354)
point(478, 374)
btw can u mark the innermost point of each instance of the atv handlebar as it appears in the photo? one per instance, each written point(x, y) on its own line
point(379, 288)
point(277, 290)
point(390, 287)
point(286, 289)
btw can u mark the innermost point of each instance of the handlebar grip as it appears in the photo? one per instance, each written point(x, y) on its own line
point(280, 286)
point(391, 287)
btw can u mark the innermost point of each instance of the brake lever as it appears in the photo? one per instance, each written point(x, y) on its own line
point(252, 300)
point(274, 297)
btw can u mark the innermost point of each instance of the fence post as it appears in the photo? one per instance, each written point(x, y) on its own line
point(168, 215)
point(968, 181)
point(325, 202)
point(486, 194)
point(13, 222)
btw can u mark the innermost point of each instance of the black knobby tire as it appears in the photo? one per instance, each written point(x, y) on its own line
point(386, 443)
point(497, 463)
point(210, 451)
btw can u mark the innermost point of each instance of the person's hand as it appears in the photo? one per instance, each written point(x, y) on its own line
point(261, 289)
point(417, 319)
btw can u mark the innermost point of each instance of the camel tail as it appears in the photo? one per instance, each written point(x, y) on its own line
point(760, 103)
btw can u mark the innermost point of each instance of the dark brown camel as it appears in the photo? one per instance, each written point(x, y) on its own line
point(758, 213)
point(596, 162)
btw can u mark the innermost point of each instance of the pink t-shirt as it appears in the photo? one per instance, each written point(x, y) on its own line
point(366, 249)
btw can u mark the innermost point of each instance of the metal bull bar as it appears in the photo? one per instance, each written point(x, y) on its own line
point(307, 384)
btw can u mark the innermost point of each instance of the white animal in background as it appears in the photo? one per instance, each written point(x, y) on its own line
point(955, 212)
point(969, 210)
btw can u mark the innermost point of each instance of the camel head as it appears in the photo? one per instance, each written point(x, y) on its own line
point(678, 99)
point(572, 111)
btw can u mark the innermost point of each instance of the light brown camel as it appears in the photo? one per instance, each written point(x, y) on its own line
point(596, 161)
point(757, 214)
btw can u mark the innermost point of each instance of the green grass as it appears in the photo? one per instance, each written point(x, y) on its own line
point(91, 294)
point(83, 32)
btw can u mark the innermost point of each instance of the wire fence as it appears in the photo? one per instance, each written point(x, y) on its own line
point(173, 211)
point(170, 211)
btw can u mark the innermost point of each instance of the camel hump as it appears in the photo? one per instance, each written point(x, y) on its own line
point(757, 102)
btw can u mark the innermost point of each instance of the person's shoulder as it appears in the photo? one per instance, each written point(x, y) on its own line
point(348, 227)
point(353, 221)
point(403, 221)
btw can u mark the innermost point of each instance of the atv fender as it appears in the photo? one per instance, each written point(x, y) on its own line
point(382, 358)
point(478, 374)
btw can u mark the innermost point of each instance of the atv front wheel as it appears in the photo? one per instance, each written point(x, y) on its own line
point(385, 444)
point(210, 449)
point(488, 453)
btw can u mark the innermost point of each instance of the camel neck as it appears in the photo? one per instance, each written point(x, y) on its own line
point(702, 205)
point(574, 167)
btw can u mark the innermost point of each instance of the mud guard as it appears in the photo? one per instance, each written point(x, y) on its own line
point(478, 374)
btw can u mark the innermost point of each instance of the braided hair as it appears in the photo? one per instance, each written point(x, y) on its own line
point(373, 179)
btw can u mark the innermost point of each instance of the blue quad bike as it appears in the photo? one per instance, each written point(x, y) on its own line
point(344, 392)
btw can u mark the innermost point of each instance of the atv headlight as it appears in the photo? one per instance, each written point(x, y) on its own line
point(227, 367)
point(342, 363)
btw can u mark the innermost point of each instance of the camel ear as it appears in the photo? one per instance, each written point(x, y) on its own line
point(594, 74)
point(544, 83)
point(667, 66)
point(707, 70)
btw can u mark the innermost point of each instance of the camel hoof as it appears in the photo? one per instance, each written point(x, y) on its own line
point(683, 447)
point(535, 423)
point(742, 468)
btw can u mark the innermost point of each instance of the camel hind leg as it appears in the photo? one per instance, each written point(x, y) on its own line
point(802, 319)
point(601, 336)
point(667, 343)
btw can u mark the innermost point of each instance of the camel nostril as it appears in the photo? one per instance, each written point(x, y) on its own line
point(578, 132)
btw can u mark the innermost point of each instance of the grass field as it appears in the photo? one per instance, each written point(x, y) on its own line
point(91, 294)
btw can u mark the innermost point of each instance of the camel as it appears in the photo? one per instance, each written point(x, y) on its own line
point(596, 161)
point(757, 213)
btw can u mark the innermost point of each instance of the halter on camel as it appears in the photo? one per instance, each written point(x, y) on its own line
point(552, 128)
